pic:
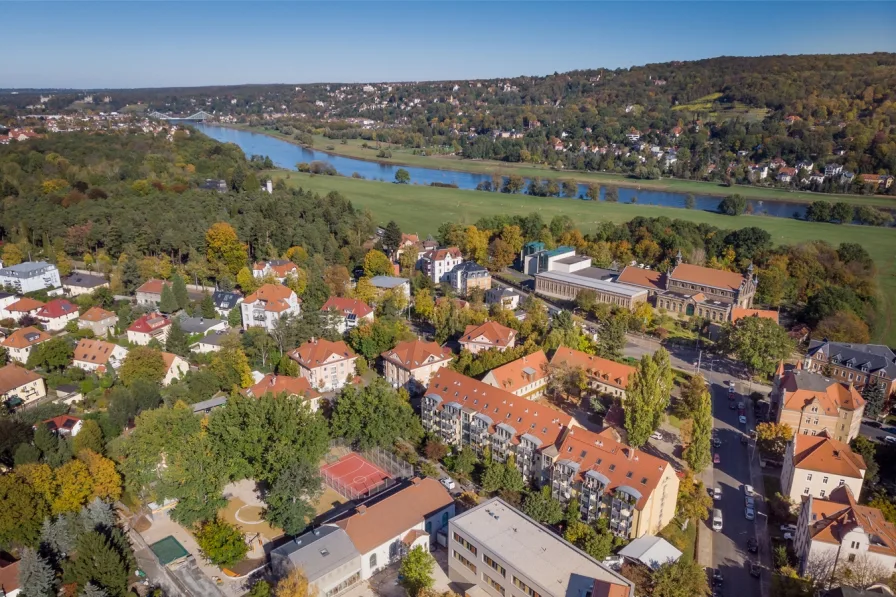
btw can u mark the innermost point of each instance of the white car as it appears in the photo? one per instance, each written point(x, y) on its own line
point(749, 502)
point(788, 536)
point(656, 435)
point(748, 491)
point(788, 528)
point(717, 493)
point(449, 483)
point(749, 514)
point(742, 419)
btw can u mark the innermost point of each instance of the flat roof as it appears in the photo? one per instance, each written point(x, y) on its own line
point(573, 259)
point(558, 567)
point(168, 550)
point(592, 283)
point(387, 281)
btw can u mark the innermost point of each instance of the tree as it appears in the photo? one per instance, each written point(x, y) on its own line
point(143, 363)
point(694, 502)
point(74, 487)
point(22, 511)
point(374, 416)
point(223, 248)
point(843, 212)
point(760, 343)
point(235, 318)
point(698, 452)
point(168, 304)
point(89, 438)
point(647, 397)
point(868, 450)
point(843, 326)
point(260, 589)
point(53, 355)
point(541, 506)
point(221, 543)
point(92, 590)
point(402, 176)
point(207, 306)
point(818, 211)
point(593, 192)
point(177, 341)
point(392, 237)
point(291, 500)
point(875, 398)
point(415, 571)
point(295, 584)
point(36, 576)
point(246, 281)
point(377, 264)
point(231, 365)
point(179, 288)
point(683, 578)
point(773, 437)
point(463, 462)
point(733, 205)
point(105, 480)
point(101, 560)
point(611, 340)
point(611, 194)
point(424, 305)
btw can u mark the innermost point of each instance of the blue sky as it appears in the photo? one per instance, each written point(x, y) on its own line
point(154, 44)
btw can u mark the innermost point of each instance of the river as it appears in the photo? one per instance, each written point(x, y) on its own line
point(286, 155)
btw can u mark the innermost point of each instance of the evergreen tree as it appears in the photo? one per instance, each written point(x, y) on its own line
point(179, 289)
point(100, 562)
point(207, 307)
point(36, 575)
point(26, 454)
point(697, 453)
point(235, 317)
point(91, 590)
point(130, 276)
point(611, 340)
point(875, 398)
point(177, 341)
point(391, 237)
point(90, 438)
point(168, 304)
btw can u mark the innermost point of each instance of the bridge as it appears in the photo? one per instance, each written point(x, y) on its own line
point(200, 116)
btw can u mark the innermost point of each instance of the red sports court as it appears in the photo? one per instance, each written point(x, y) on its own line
point(353, 476)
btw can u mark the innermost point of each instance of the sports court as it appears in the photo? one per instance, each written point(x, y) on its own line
point(354, 477)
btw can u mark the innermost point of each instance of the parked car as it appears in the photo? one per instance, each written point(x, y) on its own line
point(875, 424)
point(716, 442)
point(449, 483)
point(755, 570)
point(740, 405)
point(890, 439)
point(717, 577)
point(788, 528)
point(732, 406)
point(716, 519)
point(717, 493)
point(749, 513)
point(752, 545)
point(716, 459)
point(748, 490)
point(614, 562)
point(656, 435)
point(749, 502)
point(788, 536)
point(742, 420)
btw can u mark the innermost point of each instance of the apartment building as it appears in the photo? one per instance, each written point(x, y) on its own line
point(21, 342)
point(56, 314)
point(526, 377)
point(858, 364)
point(490, 334)
point(276, 268)
point(412, 364)
point(78, 284)
point(604, 376)
point(463, 411)
point(276, 385)
point(30, 276)
point(99, 356)
point(811, 403)
point(508, 298)
point(264, 307)
point(635, 491)
point(20, 386)
point(497, 551)
point(817, 464)
point(98, 320)
point(438, 263)
point(149, 327)
point(468, 276)
point(327, 366)
point(343, 314)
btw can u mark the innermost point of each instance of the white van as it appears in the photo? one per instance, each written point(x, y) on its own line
point(716, 519)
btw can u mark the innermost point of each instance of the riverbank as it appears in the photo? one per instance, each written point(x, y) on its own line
point(405, 157)
point(421, 210)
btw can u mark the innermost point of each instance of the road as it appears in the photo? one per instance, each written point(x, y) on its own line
point(874, 433)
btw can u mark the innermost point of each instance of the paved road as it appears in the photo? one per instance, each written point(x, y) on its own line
point(874, 433)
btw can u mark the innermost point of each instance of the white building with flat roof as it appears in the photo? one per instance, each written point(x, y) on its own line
point(568, 285)
point(496, 550)
point(30, 276)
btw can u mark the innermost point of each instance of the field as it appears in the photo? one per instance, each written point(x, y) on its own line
point(422, 209)
point(353, 148)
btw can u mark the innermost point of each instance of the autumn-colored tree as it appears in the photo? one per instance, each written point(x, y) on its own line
point(500, 255)
point(74, 487)
point(377, 264)
point(337, 279)
point(773, 437)
point(295, 584)
point(144, 363)
point(297, 281)
point(365, 291)
point(230, 363)
point(424, 305)
point(12, 254)
point(297, 255)
point(40, 478)
point(106, 480)
point(224, 248)
point(843, 326)
point(475, 245)
point(246, 281)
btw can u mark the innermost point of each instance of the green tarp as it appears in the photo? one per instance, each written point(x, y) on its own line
point(168, 550)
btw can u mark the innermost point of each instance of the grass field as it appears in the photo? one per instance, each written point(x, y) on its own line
point(403, 156)
point(422, 210)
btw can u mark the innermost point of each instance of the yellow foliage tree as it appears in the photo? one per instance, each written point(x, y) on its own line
point(246, 281)
point(644, 312)
point(63, 263)
point(476, 244)
point(54, 185)
point(74, 486)
point(106, 480)
point(424, 305)
point(377, 264)
point(513, 236)
point(295, 584)
point(39, 477)
point(12, 254)
point(224, 247)
point(297, 255)
point(365, 291)
point(297, 281)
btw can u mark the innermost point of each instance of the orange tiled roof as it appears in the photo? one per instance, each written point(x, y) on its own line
point(833, 397)
point(347, 306)
point(281, 267)
point(153, 286)
point(493, 332)
point(25, 337)
point(25, 305)
point(94, 351)
point(645, 278)
point(500, 406)
point(696, 274)
point(605, 370)
point(96, 314)
point(833, 518)
point(13, 376)
point(826, 455)
point(61, 422)
point(740, 312)
point(441, 254)
point(316, 352)
point(275, 296)
point(521, 372)
point(416, 353)
point(279, 384)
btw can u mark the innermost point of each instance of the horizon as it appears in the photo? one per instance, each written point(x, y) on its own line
point(158, 45)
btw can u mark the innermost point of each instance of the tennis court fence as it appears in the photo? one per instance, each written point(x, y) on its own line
point(349, 492)
point(389, 462)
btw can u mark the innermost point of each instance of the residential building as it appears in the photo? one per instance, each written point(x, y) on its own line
point(225, 301)
point(837, 533)
point(437, 264)
point(201, 325)
point(604, 376)
point(30, 276)
point(635, 491)
point(175, 368)
point(98, 356)
point(149, 327)
point(150, 292)
point(811, 403)
point(490, 334)
point(20, 386)
point(264, 307)
point(19, 343)
point(858, 364)
point(462, 411)
point(343, 314)
point(77, 283)
point(469, 275)
point(786, 175)
point(832, 170)
point(386, 527)
point(9, 576)
point(64, 425)
point(20, 308)
point(326, 556)
point(208, 343)
point(494, 550)
point(816, 464)
point(327, 366)
point(508, 298)
point(412, 364)
point(99, 321)
point(207, 406)
point(384, 283)
point(880, 182)
point(526, 377)
point(6, 299)
point(278, 269)
point(56, 314)
point(283, 384)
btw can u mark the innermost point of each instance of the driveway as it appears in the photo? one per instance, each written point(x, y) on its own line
point(385, 582)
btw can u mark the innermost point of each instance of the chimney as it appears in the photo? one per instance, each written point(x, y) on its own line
point(361, 510)
point(416, 481)
point(630, 453)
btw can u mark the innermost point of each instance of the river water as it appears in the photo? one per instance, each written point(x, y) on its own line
point(287, 155)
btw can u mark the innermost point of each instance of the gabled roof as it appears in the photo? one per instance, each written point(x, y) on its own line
point(153, 286)
point(25, 305)
point(279, 384)
point(519, 373)
point(802, 388)
point(831, 519)
point(57, 308)
point(347, 306)
point(826, 455)
point(96, 314)
point(605, 370)
point(274, 296)
point(281, 267)
point(875, 357)
point(705, 276)
point(493, 333)
point(442, 254)
point(317, 351)
point(416, 353)
point(9, 573)
point(371, 526)
point(62, 422)
point(499, 407)
point(94, 351)
point(13, 376)
point(645, 278)
point(84, 281)
point(25, 337)
point(318, 552)
point(740, 313)
point(226, 300)
point(149, 323)
point(169, 359)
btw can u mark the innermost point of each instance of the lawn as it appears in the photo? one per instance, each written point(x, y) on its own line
point(422, 210)
point(403, 156)
point(685, 541)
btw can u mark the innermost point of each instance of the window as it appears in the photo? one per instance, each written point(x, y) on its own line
point(492, 583)
point(842, 482)
point(806, 491)
point(809, 477)
point(854, 544)
point(525, 588)
point(470, 547)
point(824, 481)
point(495, 565)
point(822, 493)
point(372, 561)
point(851, 557)
point(460, 558)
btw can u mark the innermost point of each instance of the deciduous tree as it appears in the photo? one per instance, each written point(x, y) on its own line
point(224, 248)
point(374, 416)
point(221, 542)
point(698, 451)
point(760, 343)
point(415, 571)
point(295, 584)
point(773, 437)
point(292, 498)
point(541, 506)
point(143, 363)
point(377, 264)
point(22, 511)
point(683, 578)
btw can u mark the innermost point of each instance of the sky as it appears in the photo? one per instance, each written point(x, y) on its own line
point(158, 44)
